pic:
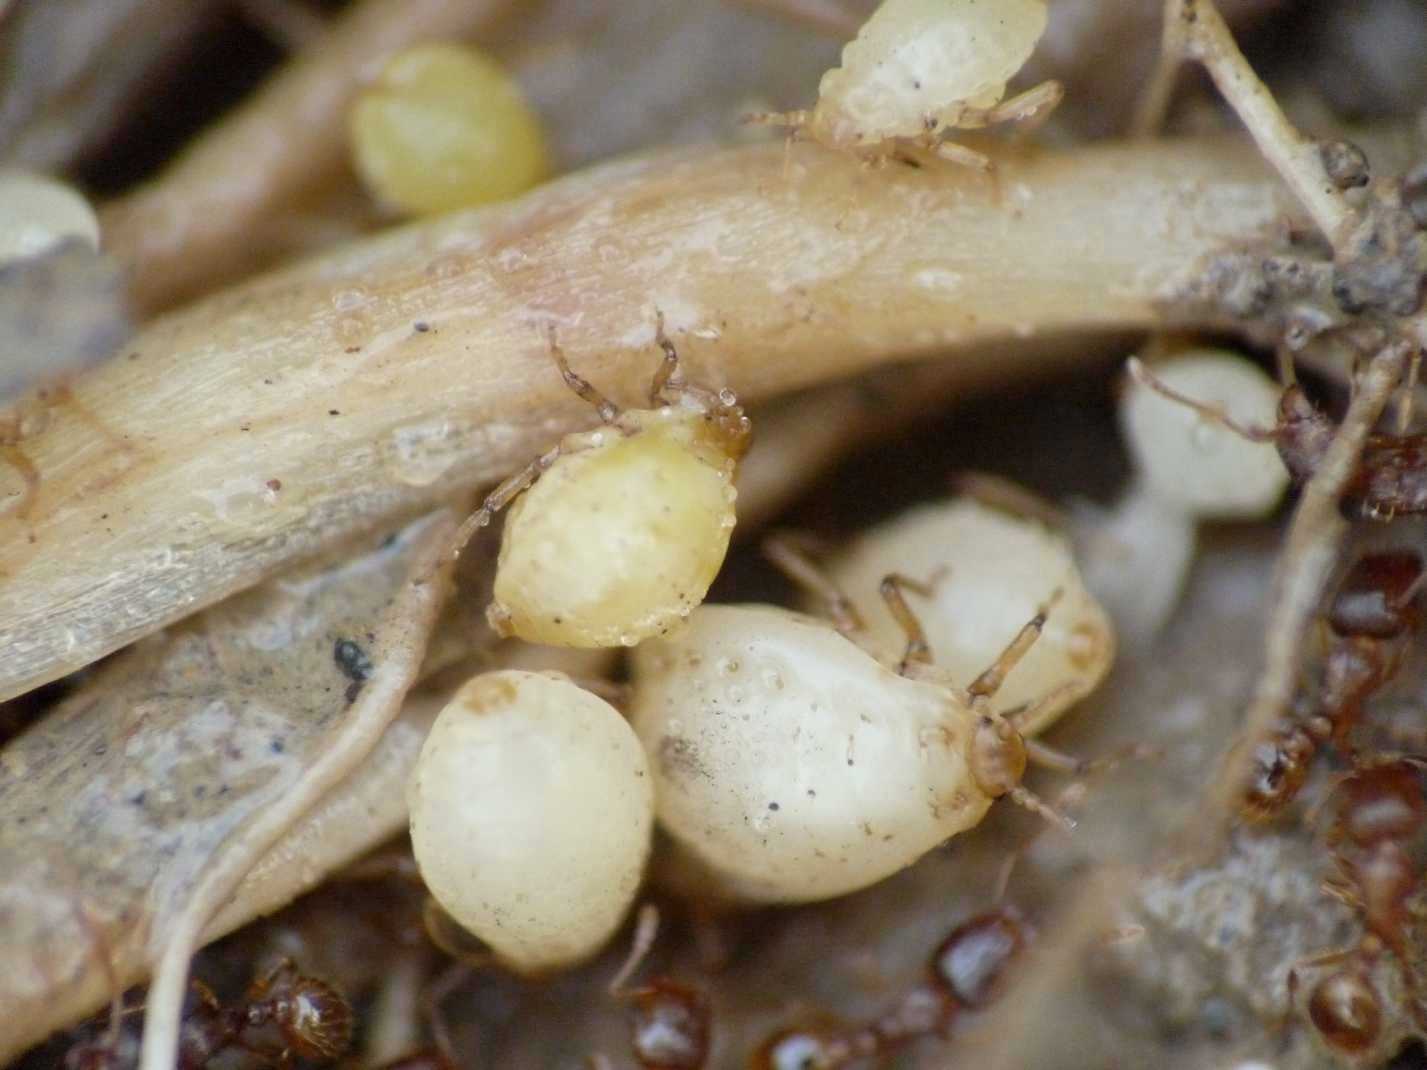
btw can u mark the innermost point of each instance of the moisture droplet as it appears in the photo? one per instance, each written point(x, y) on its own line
point(727, 666)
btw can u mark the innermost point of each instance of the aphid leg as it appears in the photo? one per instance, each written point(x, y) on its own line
point(991, 678)
point(1049, 758)
point(891, 589)
point(793, 120)
point(1007, 496)
point(646, 931)
point(452, 939)
point(608, 410)
point(1213, 413)
point(956, 153)
point(1028, 109)
point(503, 495)
point(791, 554)
point(667, 378)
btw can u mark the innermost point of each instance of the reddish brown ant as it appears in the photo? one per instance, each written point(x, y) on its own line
point(1380, 810)
point(313, 1019)
point(1391, 477)
point(964, 974)
point(1373, 609)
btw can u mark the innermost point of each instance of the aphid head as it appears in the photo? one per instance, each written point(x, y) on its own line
point(996, 755)
point(1346, 1011)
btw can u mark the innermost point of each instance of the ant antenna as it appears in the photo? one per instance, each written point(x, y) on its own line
point(1214, 413)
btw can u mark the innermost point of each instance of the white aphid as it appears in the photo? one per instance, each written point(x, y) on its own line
point(1188, 467)
point(988, 573)
point(919, 68)
point(37, 213)
point(795, 766)
point(625, 527)
point(1188, 461)
point(531, 814)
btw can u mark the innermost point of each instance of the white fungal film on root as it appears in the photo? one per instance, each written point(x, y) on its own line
point(916, 60)
point(531, 814)
point(1189, 462)
point(622, 537)
point(791, 763)
point(989, 573)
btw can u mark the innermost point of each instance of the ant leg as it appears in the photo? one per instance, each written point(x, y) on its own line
point(991, 678)
point(891, 588)
point(503, 495)
point(667, 377)
point(608, 410)
point(789, 553)
point(1213, 413)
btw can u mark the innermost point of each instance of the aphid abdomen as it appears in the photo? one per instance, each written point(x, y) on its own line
point(617, 541)
point(790, 762)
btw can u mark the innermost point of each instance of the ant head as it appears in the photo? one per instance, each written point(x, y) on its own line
point(670, 1025)
point(997, 756)
point(1280, 765)
point(1347, 1012)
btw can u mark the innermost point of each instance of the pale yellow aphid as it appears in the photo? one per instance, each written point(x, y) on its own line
point(627, 525)
point(531, 814)
point(984, 574)
point(919, 69)
point(794, 766)
point(37, 213)
point(1188, 461)
point(444, 127)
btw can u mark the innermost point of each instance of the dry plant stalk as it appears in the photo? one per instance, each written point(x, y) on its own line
point(266, 422)
point(145, 798)
point(190, 228)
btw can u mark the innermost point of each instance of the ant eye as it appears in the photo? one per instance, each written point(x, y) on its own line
point(531, 811)
point(444, 127)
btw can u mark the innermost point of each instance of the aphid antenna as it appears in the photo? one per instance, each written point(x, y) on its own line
point(1213, 413)
point(505, 492)
point(608, 410)
point(792, 553)
point(1024, 797)
point(646, 931)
